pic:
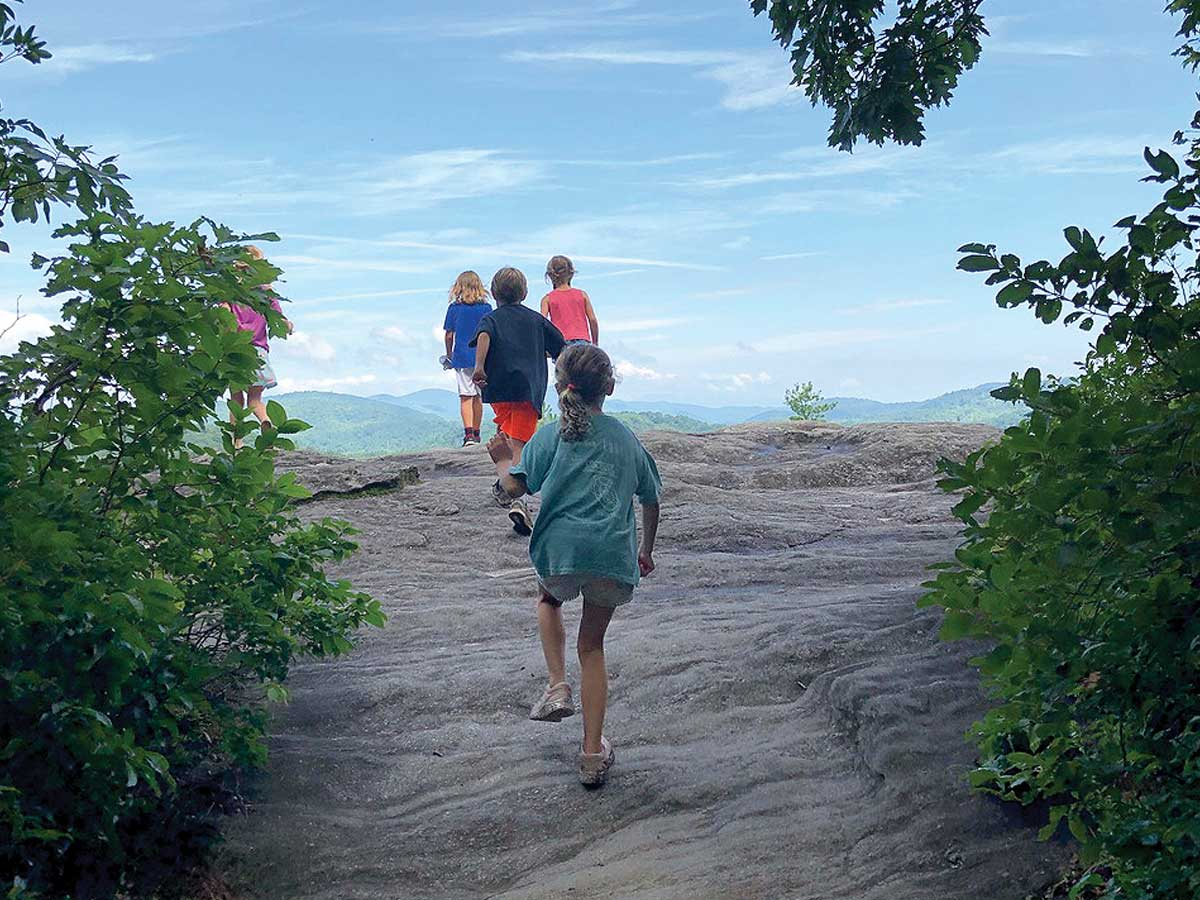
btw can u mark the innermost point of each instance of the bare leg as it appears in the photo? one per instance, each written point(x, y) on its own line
point(594, 679)
point(477, 413)
point(466, 408)
point(554, 640)
point(238, 397)
point(255, 400)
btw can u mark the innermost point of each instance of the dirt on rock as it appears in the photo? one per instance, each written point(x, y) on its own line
point(787, 724)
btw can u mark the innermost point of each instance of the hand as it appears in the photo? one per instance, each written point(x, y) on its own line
point(499, 449)
point(645, 562)
point(479, 376)
point(291, 326)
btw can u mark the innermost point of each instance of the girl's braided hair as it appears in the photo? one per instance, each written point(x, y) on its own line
point(560, 270)
point(583, 378)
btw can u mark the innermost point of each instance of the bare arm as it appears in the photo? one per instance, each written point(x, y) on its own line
point(591, 317)
point(449, 343)
point(482, 343)
point(649, 536)
point(546, 306)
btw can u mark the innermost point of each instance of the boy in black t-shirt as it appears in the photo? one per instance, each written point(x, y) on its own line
point(511, 347)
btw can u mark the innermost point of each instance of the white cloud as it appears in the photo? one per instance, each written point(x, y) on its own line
point(498, 252)
point(326, 263)
point(289, 385)
point(849, 200)
point(803, 254)
point(68, 60)
point(1076, 49)
point(751, 80)
point(383, 186)
point(885, 306)
point(27, 327)
point(398, 335)
point(738, 380)
point(627, 369)
point(369, 295)
point(630, 326)
point(311, 345)
point(1099, 154)
point(821, 339)
point(638, 163)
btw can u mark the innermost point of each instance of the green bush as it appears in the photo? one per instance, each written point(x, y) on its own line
point(806, 402)
point(1084, 574)
point(154, 592)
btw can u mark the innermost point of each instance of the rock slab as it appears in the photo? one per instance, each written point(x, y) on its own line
point(787, 723)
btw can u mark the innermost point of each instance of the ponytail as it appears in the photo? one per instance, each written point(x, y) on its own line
point(583, 378)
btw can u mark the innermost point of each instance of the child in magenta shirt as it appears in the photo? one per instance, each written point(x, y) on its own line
point(251, 320)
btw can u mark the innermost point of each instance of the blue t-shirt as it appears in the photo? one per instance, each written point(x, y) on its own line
point(586, 524)
point(463, 320)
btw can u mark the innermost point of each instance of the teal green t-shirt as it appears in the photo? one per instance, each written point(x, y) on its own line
point(586, 524)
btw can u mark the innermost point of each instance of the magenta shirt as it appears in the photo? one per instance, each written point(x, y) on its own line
point(255, 322)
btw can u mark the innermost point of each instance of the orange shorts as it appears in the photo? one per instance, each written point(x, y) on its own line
point(517, 420)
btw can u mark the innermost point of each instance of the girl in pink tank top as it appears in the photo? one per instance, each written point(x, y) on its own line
point(569, 309)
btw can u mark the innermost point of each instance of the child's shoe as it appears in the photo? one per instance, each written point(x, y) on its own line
point(521, 518)
point(555, 705)
point(500, 495)
point(593, 767)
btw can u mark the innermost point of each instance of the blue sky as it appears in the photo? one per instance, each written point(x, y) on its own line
point(727, 250)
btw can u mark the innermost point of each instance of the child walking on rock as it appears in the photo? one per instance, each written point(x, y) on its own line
point(468, 305)
point(249, 319)
point(569, 308)
point(588, 471)
point(511, 346)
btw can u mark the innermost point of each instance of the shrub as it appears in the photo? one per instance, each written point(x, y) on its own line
point(806, 402)
point(1084, 576)
point(153, 590)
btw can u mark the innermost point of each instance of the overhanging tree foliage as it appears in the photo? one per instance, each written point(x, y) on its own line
point(1080, 566)
point(879, 69)
point(152, 590)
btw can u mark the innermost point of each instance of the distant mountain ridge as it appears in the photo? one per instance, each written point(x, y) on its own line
point(969, 405)
point(349, 425)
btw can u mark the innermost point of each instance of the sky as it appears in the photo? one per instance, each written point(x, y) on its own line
point(728, 251)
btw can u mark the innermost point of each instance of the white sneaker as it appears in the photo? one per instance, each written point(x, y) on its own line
point(593, 767)
point(555, 705)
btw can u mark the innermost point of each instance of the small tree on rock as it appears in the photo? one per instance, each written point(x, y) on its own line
point(806, 402)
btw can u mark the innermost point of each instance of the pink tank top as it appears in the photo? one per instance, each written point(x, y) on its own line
point(568, 313)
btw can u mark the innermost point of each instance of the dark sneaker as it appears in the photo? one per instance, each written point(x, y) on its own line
point(593, 767)
point(555, 705)
point(521, 518)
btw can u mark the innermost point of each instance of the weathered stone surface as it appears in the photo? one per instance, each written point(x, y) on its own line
point(786, 723)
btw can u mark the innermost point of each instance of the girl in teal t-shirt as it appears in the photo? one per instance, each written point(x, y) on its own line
point(588, 470)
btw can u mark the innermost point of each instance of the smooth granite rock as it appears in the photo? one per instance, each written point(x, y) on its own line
point(787, 725)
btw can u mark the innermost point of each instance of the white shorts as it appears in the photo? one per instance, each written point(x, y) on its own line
point(466, 387)
point(597, 591)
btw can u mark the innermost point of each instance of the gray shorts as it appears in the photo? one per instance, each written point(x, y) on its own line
point(596, 591)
